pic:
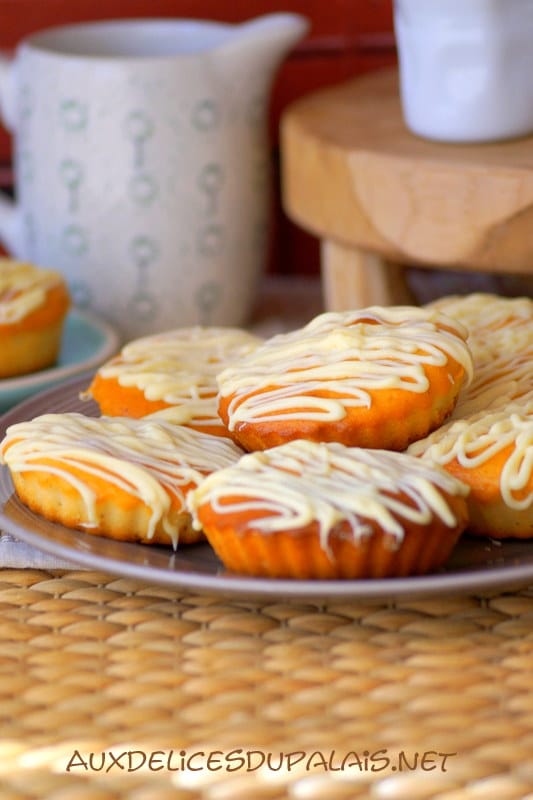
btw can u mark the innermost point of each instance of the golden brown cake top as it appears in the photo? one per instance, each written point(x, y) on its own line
point(23, 288)
point(299, 483)
point(348, 353)
point(474, 441)
point(149, 460)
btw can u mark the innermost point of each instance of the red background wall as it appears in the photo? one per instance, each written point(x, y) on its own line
point(347, 38)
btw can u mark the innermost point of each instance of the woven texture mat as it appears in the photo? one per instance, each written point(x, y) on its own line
point(114, 688)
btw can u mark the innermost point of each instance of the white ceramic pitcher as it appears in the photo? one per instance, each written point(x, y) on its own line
point(142, 163)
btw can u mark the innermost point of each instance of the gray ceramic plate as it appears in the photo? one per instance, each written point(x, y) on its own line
point(476, 565)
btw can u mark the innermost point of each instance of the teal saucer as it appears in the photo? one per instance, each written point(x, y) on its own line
point(87, 342)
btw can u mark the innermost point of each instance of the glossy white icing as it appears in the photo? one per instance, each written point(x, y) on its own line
point(179, 368)
point(23, 288)
point(501, 342)
point(349, 354)
point(474, 441)
point(149, 460)
point(480, 311)
point(504, 378)
point(295, 484)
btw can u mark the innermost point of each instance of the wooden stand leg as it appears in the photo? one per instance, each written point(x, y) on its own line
point(353, 278)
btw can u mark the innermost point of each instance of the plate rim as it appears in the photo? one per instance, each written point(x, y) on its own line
point(247, 587)
point(109, 346)
point(228, 584)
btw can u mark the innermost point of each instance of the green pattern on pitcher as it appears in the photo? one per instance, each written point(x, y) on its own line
point(73, 114)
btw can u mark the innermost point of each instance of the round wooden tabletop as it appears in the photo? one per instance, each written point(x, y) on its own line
point(352, 173)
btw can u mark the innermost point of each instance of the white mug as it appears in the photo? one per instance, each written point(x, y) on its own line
point(142, 164)
point(466, 68)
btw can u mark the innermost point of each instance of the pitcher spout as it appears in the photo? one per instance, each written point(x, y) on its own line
point(263, 42)
point(279, 31)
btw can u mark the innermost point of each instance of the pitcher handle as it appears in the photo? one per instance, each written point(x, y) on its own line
point(10, 217)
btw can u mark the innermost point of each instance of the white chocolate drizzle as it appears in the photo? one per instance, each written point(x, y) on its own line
point(501, 343)
point(149, 460)
point(496, 325)
point(481, 312)
point(505, 378)
point(302, 482)
point(348, 354)
point(23, 288)
point(473, 441)
point(179, 368)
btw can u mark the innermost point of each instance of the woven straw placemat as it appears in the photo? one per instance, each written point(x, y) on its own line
point(115, 688)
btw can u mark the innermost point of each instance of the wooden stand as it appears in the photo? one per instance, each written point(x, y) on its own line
point(380, 198)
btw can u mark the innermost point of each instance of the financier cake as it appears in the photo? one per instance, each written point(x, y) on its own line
point(483, 313)
point(501, 342)
point(121, 478)
point(506, 376)
point(375, 377)
point(312, 510)
point(172, 374)
point(33, 306)
point(491, 452)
